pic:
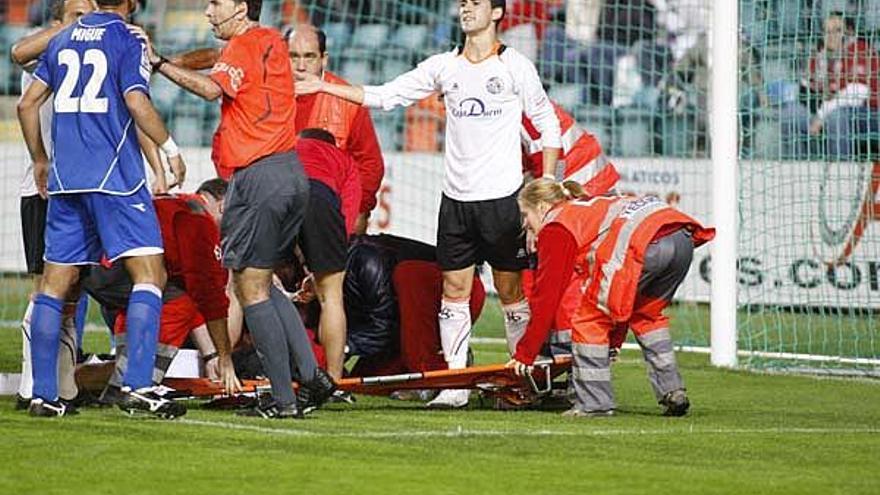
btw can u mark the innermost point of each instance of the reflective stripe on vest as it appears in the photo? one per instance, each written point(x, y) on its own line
point(632, 216)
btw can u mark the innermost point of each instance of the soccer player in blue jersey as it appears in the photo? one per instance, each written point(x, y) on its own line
point(99, 201)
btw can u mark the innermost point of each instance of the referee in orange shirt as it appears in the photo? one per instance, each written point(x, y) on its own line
point(268, 191)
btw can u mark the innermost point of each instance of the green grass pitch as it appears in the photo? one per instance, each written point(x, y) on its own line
point(747, 433)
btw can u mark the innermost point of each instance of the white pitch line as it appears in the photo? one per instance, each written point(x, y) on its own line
point(462, 432)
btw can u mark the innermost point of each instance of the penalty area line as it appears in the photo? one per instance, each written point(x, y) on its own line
point(465, 432)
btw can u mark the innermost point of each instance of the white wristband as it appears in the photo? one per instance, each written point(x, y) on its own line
point(170, 147)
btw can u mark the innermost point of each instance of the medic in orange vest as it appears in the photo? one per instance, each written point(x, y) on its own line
point(581, 160)
point(628, 255)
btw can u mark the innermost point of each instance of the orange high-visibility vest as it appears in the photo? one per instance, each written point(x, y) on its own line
point(612, 234)
point(334, 115)
point(584, 161)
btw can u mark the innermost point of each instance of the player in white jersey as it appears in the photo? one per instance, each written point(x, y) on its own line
point(487, 88)
point(33, 215)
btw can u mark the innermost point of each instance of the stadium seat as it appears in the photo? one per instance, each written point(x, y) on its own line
point(791, 15)
point(679, 135)
point(164, 94)
point(872, 16)
point(338, 35)
point(370, 36)
point(767, 140)
point(357, 72)
point(777, 69)
point(632, 134)
point(188, 130)
point(596, 120)
point(177, 39)
point(568, 96)
point(388, 126)
point(408, 36)
point(394, 68)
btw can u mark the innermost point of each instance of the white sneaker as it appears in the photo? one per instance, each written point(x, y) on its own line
point(450, 399)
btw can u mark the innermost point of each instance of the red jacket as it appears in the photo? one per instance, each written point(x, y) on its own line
point(598, 246)
point(192, 252)
point(352, 127)
point(859, 63)
point(324, 162)
point(582, 155)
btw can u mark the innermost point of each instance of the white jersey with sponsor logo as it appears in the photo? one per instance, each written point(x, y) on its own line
point(485, 103)
point(28, 186)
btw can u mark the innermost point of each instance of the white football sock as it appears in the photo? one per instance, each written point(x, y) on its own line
point(455, 332)
point(26, 385)
point(516, 320)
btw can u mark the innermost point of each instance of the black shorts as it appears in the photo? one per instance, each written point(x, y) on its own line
point(263, 211)
point(323, 240)
point(33, 229)
point(470, 232)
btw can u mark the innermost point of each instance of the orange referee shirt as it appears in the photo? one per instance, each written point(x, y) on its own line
point(259, 106)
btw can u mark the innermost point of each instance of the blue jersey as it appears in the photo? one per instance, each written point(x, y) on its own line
point(90, 66)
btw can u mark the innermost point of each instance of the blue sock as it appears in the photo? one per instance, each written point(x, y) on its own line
point(142, 329)
point(45, 339)
point(82, 310)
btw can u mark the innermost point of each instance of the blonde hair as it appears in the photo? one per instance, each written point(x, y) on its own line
point(549, 191)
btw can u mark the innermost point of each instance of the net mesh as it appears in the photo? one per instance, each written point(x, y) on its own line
point(635, 74)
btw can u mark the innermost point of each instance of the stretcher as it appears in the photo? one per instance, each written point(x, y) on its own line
point(495, 380)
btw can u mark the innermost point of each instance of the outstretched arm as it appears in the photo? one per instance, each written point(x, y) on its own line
point(404, 90)
point(199, 59)
point(29, 48)
point(190, 80)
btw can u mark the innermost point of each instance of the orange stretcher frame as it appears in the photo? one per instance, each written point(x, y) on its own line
point(495, 380)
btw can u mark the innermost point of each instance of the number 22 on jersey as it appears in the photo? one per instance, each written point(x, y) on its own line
point(89, 102)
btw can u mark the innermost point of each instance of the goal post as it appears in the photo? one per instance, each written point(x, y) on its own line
point(725, 164)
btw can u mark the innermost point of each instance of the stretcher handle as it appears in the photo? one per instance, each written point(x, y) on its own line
point(548, 379)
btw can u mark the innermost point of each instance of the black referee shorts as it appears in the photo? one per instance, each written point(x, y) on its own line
point(470, 232)
point(323, 239)
point(33, 229)
point(263, 212)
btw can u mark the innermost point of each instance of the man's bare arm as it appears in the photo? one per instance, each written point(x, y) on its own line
point(313, 84)
point(550, 156)
point(29, 118)
point(200, 59)
point(151, 153)
point(29, 48)
point(192, 81)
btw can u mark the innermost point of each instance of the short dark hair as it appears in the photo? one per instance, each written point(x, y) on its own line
point(319, 134)
point(253, 8)
point(56, 10)
point(214, 187)
point(322, 39)
point(499, 4)
point(109, 3)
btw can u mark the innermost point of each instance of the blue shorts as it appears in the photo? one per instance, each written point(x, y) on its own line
point(82, 227)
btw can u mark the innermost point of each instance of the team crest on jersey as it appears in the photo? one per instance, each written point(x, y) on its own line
point(495, 85)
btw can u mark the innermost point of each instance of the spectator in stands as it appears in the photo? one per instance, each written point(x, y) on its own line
point(349, 123)
point(622, 24)
point(841, 95)
point(523, 26)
